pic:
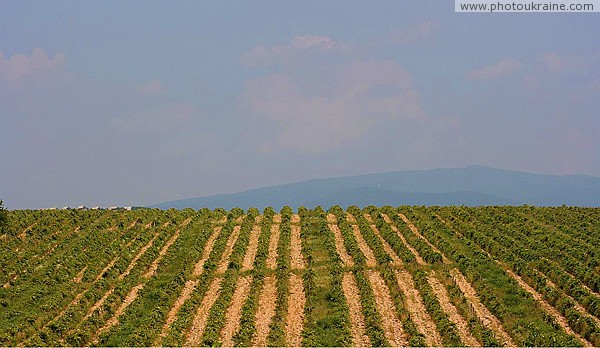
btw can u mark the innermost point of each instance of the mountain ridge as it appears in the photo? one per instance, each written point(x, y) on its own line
point(474, 185)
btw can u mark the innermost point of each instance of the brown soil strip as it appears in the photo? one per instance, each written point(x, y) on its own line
point(161, 254)
point(362, 244)
point(417, 310)
point(388, 249)
point(462, 327)
point(547, 307)
point(576, 304)
point(392, 327)
point(414, 230)
point(295, 219)
point(234, 312)
point(187, 221)
point(228, 249)
point(484, 315)
point(98, 304)
point(240, 219)
point(248, 262)
point(295, 314)
point(79, 275)
point(24, 233)
point(265, 311)
point(189, 287)
point(418, 257)
point(199, 322)
point(277, 218)
point(137, 257)
point(273, 242)
point(210, 243)
point(339, 245)
point(357, 321)
point(115, 318)
point(331, 219)
point(297, 260)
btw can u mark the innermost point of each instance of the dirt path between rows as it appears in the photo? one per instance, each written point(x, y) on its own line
point(189, 287)
point(210, 243)
point(339, 245)
point(224, 263)
point(560, 320)
point(576, 304)
point(98, 304)
point(414, 230)
point(114, 320)
point(234, 312)
point(296, 258)
point(418, 257)
point(392, 327)
point(295, 314)
point(79, 275)
point(248, 262)
point(265, 311)
point(161, 254)
point(357, 321)
point(484, 315)
point(199, 323)
point(273, 242)
point(388, 249)
point(416, 308)
point(295, 219)
point(362, 243)
point(462, 327)
point(137, 257)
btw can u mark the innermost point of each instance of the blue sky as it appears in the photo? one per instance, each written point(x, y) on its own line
point(138, 102)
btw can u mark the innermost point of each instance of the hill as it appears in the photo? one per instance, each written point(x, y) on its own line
point(470, 186)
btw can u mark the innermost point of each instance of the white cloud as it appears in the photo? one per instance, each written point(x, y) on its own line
point(20, 65)
point(153, 87)
point(337, 107)
point(261, 55)
point(502, 68)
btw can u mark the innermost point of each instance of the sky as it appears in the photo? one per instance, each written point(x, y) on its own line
point(107, 103)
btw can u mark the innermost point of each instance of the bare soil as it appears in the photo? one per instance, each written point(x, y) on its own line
point(98, 304)
point(339, 245)
point(417, 310)
point(414, 230)
point(295, 219)
point(114, 320)
point(388, 249)
point(273, 242)
point(265, 311)
point(562, 322)
point(161, 254)
point(248, 262)
point(199, 322)
point(137, 257)
point(357, 321)
point(210, 243)
point(228, 249)
point(362, 244)
point(418, 257)
point(295, 314)
point(462, 327)
point(234, 312)
point(484, 315)
point(189, 287)
point(79, 275)
point(392, 327)
point(297, 260)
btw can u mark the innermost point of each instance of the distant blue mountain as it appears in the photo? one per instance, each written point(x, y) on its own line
point(470, 186)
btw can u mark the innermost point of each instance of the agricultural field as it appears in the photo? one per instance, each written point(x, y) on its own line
point(379, 276)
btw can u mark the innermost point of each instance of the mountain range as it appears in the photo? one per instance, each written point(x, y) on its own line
point(470, 186)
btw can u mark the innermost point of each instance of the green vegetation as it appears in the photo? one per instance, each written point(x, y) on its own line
point(99, 277)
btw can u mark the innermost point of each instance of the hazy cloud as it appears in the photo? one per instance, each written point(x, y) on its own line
point(156, 120)
point(418, 33)
point(262, 55)
point(502, 68)
point(153, 87)
point(333, 108)
point(20, 65)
